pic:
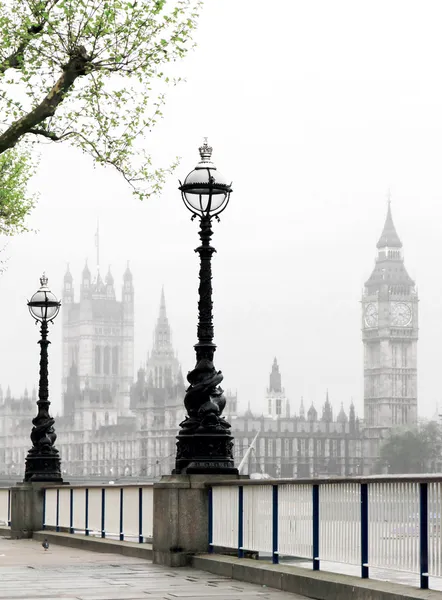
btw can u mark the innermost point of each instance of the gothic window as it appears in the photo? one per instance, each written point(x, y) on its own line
point(270, 406)
point(97, 360)
point(287, 447)
point(404, 355)
point(278, 406)
point(106, 418)
point(278, 447)
point(115, 360)
point(394, 355)
point(94, 420)
point(106, 360)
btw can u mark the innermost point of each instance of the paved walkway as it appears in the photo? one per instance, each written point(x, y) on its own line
point(29, 572)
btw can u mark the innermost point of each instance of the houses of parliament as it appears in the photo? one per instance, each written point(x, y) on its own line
point(118, 423)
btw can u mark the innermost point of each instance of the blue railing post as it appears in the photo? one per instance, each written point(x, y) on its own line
point(315, 501)
point(44, 508)
point(423, 534)
point(71, 510)
point(210, 532)
point(86, 511)
point(275, 555)
point(140, 515)
point(240, 521)
point(364, 531)
point(121, 515)
point(57, 511)
point(103, 512)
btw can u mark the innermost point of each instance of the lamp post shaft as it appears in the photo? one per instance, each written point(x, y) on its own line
point(43, 386)
point(43, 460)
point(204, 443)
point(205, 347)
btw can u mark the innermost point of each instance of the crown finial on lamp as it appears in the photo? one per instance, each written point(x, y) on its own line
point(44, 280)
point(205, 151)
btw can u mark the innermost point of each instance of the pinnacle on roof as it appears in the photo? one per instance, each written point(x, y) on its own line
point(68, 275)
point(86, 272)
point(342, 416)
point(327, 411)
point(109, 277)
point(127, 273)
point(389, 237)
point(312, 414)
point(275, 378)
point(163, 316)
point(302, 409)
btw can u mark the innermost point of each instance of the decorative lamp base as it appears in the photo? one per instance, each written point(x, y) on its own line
point(205, 453)
point(43, 467)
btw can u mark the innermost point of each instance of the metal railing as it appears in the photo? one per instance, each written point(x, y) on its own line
point(387, 522)
point(5, 507)
point(117, 512)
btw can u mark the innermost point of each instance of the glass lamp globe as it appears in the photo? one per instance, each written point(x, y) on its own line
point(205, 190)
point(44, 305)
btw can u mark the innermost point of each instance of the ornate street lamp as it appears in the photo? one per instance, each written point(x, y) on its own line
point(43, 460)
point(204, 443)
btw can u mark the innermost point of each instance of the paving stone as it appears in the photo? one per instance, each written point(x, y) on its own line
point(27, 572)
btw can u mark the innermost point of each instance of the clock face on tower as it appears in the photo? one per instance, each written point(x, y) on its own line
point(401, 314)
point(371, 315)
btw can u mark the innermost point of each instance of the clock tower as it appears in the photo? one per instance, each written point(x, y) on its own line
point(389, 334)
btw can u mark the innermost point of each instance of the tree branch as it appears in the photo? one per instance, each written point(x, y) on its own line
point(76, 67)
point(15, 59)
point(51, 135)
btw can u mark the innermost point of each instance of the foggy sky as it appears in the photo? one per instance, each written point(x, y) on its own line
point(314, 110)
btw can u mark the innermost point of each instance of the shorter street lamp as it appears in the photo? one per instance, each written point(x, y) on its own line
point(43, 460)
point(205, 444)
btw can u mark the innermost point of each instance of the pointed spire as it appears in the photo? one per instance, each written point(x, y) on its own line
point(86, 272)
point(302, 410)
point(389, 237)
point(312, 414)
point(68, 275)
point(127, 273)
point(8, 393)
point(162, 339)
point(275, 378)
point(327, 411)
point(163, 315)
point(109, 277)
point(352, 414)
point(342, 417)
point(248, 413)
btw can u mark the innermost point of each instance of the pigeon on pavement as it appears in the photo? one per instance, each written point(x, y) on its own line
point(45, 544)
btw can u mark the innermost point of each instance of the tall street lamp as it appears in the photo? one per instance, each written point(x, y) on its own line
point(205, 444)
point(43, 460)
